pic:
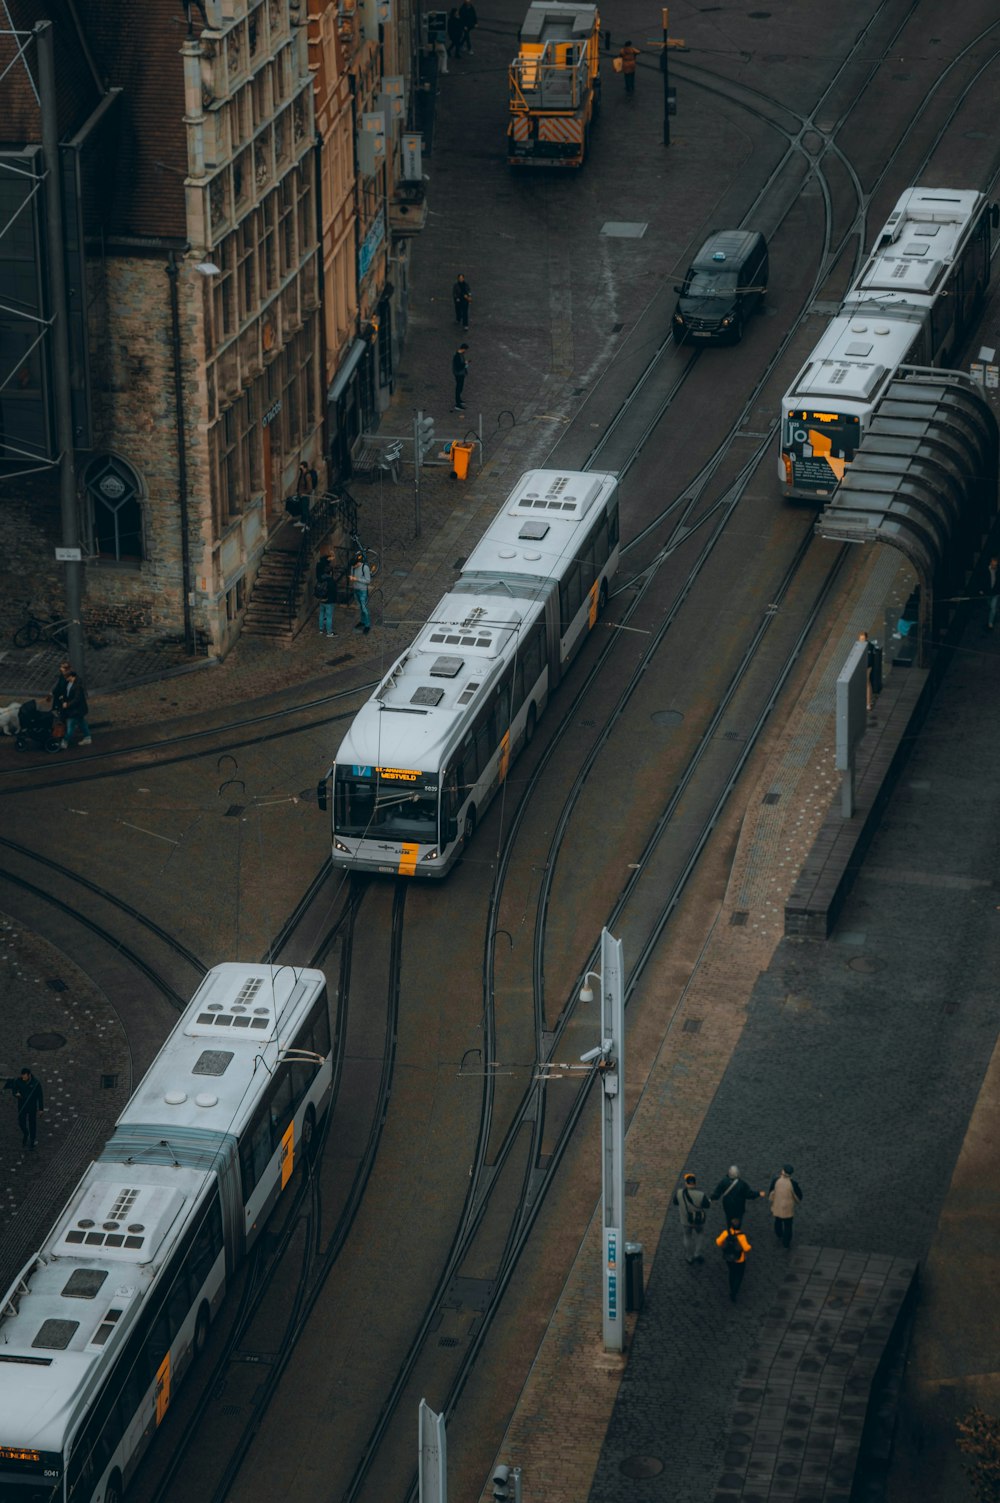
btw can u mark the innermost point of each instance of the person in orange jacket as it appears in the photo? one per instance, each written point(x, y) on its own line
point(628, 56)
point(735, 1247)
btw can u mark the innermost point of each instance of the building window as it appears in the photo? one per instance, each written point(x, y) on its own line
point(114, 496)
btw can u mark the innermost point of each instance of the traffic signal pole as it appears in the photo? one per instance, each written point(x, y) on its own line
point(612, 1075)
point(665, 69)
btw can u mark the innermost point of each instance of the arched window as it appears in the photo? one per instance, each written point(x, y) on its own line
point(114, 492)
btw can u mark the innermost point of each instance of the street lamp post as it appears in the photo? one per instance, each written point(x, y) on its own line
point(610, 1057)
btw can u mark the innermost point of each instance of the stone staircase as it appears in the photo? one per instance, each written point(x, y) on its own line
point(267, 614)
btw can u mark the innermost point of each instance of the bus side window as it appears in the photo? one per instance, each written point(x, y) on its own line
point(570, 596)
point(518, 700)
point(255, 1149)
point(613, 530)
point(469, 767)
point(449, 794)
point(206, 1247)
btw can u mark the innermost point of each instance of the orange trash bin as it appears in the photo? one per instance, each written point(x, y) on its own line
point(461, 454)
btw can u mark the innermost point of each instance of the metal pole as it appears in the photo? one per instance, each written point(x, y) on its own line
point(432, 1469)
point(45, 38)
point(613, 1139)
point(417, 430)
point(665, 69)
point(182, 482)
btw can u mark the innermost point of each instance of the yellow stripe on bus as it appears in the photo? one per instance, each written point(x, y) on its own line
point(595, 593)
point(162, 1388)
point(504, 756)
point(287, 1154)
point(408, 860)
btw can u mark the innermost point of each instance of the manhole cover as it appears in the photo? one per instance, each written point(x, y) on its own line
point(46, 1041)
point(641, 1466)
point(667, 717)
point(866, 964)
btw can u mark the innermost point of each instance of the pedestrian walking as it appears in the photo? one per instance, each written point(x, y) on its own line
point(58, 693)
point(469, 19)
point(784, 1193)
point(734, 1193)
point(735, 1247)
point(461, 294)
point(361, 578)
point(456, 32)
point(989, 586)
point(692, 1206)
point(74, 707)
point(306, 482)
point(459, 369)
point(628, 55)
point(29, 1100)
point(324, 591)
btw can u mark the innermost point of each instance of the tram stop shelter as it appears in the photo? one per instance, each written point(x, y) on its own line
point(924, 482)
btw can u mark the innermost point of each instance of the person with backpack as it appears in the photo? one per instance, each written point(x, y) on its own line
point(734, 1192)
point(735, 1247)
point(692, 1206)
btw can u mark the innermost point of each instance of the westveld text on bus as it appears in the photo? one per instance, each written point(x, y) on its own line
point(914, 303)
point(100, 1326)
point(425, 755)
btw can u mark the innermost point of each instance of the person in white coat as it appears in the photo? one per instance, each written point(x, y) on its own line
point(785, 1193)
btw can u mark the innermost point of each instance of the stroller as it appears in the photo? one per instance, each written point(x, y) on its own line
point(38, 729)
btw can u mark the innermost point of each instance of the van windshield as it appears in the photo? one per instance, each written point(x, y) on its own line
point(706, 281)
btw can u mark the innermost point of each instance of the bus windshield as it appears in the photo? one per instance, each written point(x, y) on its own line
point(29, 1480)
point(371, 804)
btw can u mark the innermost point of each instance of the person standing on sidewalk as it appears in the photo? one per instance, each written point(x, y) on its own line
point(461, 294)
point(734, 1193)
point(75, 710)
point(989, 586)
point(784, 1193)
point(459, 369)
point(456, 31)
point(29, 1101)
point(324, 591)
point(469, 19)
point(628, 55)
point(361, 578)
point(692, 1205)
point(735, 1247)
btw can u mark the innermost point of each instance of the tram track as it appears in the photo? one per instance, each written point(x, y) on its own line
point(533, 1195)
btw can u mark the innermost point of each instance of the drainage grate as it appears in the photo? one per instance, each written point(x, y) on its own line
point(617, 328)
point(108, 1082)
point(54, 984)
point(46, 1041)
point(691, 1025)
point(771, 798)
point(739, 918)
point(640, 1467)
point(344, 657)
point(449, 1341)
point(732, 735)
point(234, 811)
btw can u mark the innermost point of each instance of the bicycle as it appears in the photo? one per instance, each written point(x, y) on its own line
point(36, 630)
point(371, 556)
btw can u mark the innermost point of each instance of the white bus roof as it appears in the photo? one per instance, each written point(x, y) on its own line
point(852, 361)
point(541, 523)
point(223, 1048)
point(68, 1312)
point(917, 246)
point(410, 719)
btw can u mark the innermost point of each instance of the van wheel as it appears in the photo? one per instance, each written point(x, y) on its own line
point(201, 1331)
point(738, 329)
point(113, 1492)
point(470, 829)
point(309, 1133)
point(529, 725)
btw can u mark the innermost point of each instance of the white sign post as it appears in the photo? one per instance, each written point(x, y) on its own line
point(852, 718)
point(613, 1139)
point(433, 1464)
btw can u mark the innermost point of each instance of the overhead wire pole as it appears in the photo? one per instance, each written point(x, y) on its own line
point(665, 70)
point(612, 1071)
point(69, 553)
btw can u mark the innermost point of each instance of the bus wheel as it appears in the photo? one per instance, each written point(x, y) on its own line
point(113, 1492)
point(470, 828)
point(602, 597)
point(309, 1133)
point(201, 1331)
point(529, 724)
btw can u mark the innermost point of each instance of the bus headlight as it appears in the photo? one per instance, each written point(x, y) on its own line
point(432, 855)
point(338, 845)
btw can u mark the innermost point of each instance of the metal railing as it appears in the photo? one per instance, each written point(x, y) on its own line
point(327, 511)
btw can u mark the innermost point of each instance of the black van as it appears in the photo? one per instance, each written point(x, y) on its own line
point(723, 285)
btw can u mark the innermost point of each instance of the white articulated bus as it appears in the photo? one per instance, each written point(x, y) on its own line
point(101, 1324)
point(914, 303)
point(428, 751)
